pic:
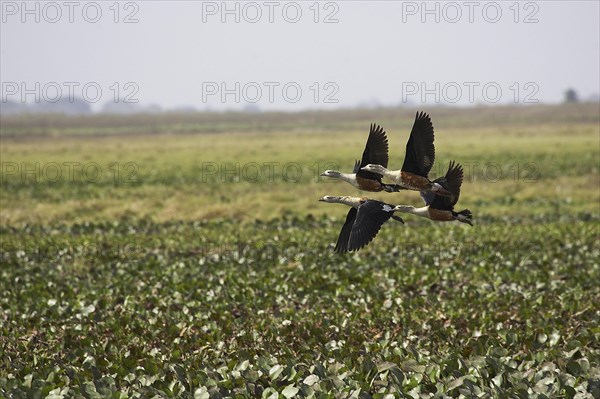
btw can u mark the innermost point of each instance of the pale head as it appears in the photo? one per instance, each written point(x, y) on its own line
point(330, 198)
point(331, 173)
point(404, 208)
point(380, 170)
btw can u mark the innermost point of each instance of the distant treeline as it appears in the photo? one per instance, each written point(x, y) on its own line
point(51, 124)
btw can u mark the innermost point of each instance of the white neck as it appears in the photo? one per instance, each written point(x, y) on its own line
point(423, 211)
point(392, 174)
point(349, 178)
point(350, 201)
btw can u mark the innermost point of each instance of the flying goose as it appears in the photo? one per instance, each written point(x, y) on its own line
point(419, 158)
point(376, 152)
point(363, 221)
point(441, 208)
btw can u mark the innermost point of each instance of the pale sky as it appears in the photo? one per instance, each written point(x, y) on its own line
point(187, 53)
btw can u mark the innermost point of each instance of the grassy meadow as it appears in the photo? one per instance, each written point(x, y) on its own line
point(186, 255)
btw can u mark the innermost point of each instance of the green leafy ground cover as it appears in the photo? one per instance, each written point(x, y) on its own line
point(174, 285)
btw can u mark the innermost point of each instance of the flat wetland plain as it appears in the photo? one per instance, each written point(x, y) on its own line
point(186, 255)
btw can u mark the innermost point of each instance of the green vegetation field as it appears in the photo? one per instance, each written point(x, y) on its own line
point(187, 256)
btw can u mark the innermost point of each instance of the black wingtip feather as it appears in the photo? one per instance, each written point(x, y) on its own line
point(422, 115)
point(378, 130)
point(341, 245)
point(375, 152)
point(420, 148)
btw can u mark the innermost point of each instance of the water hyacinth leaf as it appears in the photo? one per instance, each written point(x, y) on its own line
point(251, 375)
point(311, 379)
point(412, 365)
point(87, 310)
point(384, 366)
point(498, 380)
point(275, 371)
point(455, 383)
point(554, 337)
point(242, 366)
point(543, 385)
point(89, 390)
point(270, 393)
point(574, 368)
point(584, 364)
point(201, 393)
point(290, 391)
point(397, 375)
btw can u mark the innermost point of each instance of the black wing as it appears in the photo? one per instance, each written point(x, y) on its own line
point(342, 243)
point(376, 152)
point(451, 182)
point(420, 151)
point(371, 215)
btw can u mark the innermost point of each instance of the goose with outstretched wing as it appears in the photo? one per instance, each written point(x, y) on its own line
point(376, 152)
point(419, 158)
point(363, 222)
point(441, 208)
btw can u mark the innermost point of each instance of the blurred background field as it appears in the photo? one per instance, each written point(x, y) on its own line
point(518, 161)
point(186, 255)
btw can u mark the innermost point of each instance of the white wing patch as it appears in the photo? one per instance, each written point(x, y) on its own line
point(388, 208)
